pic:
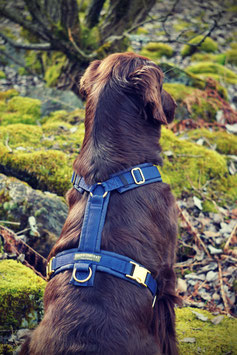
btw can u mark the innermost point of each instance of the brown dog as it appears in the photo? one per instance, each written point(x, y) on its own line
point(125, 108)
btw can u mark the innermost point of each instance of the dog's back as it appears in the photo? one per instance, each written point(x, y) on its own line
point(125, 109)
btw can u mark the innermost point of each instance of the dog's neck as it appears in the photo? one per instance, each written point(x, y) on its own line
point(117, 137)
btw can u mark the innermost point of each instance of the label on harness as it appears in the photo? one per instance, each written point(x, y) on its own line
point(87, 256)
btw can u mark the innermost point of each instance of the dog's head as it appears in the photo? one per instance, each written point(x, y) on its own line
point(137, 77)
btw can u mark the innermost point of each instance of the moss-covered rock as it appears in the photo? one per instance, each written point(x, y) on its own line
point(21, 292)
point(45, 170)
point(225, 142)
point(188, 165)
point(18, 201)
point(19, 109)
point(174, 74)
point(156, 50)
point(213, 70)
point(208, 57)
point(209, 46)
point(193, 103)
point(208, 338)
point(231, 56)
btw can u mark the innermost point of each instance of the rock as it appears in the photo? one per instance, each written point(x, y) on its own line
point(197, 202)
point(54, 100)
point(46, 211)
point(211, 276)
point(214, 250)
point(188, 340)
point(217, 319)
point(182, 285)
point(200, 316)
point(216, 297)
point(195, 277)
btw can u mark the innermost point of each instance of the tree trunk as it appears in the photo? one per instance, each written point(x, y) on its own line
point(93, 13)
point(123, 15)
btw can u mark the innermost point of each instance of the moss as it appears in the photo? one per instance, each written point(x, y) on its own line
point(5, 95)
point(181, 25)
point(225, 142)
point(231, 56)
point(209, 206)
point(20, 109)
point(210, 339)
point(46, 170)
point(155, 50)
point(196, 102)
point(213, 70)
point(53, 65)
point(178, 91)
point(192, 165)
point(208, 57)
point(21, 135)
point(142, 31)
point(2, 75)
point(73, 117)
point(208, 46)
point(21, 292)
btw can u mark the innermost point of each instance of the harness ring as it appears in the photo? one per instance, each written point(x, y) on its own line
point(84, 280)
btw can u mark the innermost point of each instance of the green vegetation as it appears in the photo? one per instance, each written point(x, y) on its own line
point(21, 292)
point(225, 142)
point(208, 57)
point(209, 338)
point(231, 56)
point(213, 70)
point(192, 166)
point(209, 46)
point(155, 50)
point(18, 109)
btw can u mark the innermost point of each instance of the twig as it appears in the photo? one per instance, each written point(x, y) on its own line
point(7, 145)
point(226, 247)
point(82, 54)
point(9, 222)
point(227, 309)
point(193, 231)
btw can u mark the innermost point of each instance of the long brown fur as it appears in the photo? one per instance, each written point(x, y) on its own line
point(125, 108)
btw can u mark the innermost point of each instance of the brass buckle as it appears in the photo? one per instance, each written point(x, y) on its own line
point(134, 177)
point(49, 270)
point(139, 274)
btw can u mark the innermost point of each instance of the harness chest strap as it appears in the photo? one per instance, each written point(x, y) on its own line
point(88, 258)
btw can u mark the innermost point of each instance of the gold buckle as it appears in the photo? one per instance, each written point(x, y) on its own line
point(139, 274)
point(134, 177)
point(49, 270)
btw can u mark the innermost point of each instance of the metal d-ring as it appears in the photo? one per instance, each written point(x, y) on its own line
point(105, 194)
point(84, 280)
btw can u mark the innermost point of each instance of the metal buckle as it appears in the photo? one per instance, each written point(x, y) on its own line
point(49, 270)
point(134, 177)
point(139, 274)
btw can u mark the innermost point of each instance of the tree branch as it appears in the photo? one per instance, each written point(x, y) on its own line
point(27, 46)
point(12, 14)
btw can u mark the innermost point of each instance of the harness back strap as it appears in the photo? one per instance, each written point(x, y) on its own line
point(88, 258)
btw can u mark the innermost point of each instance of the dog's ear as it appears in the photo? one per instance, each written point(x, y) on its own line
point(88, 78)
point(169, 105)
point(147, 81)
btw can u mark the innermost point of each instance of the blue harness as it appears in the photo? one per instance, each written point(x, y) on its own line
point(88, 258)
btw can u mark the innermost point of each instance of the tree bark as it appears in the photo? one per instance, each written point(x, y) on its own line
point(93, 13)
point(124, 14)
